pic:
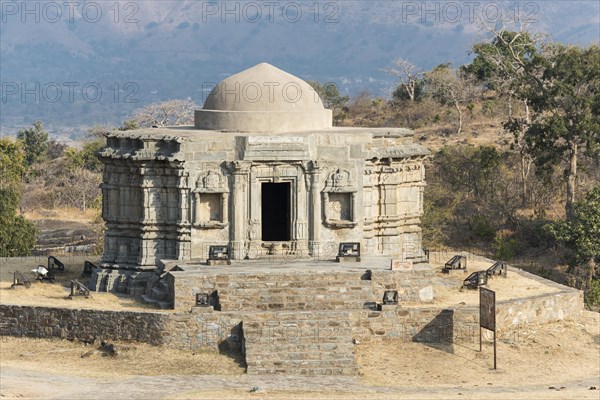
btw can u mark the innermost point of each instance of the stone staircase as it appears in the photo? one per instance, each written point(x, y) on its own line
point(296, 292)
point(157, 292)
point(299, 343)
point(295, 321)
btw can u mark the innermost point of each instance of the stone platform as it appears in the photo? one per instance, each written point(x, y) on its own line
point(301, 284)
point(295, 313)
point(288, 339)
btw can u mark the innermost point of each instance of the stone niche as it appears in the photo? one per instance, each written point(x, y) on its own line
point(339, 200)
point(210, 200)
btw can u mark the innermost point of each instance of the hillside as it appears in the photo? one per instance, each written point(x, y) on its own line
point(142, 52)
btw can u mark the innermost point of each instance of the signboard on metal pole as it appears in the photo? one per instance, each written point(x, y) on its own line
point(487, 315)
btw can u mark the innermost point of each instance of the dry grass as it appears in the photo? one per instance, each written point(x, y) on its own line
point(547, 354)
point(75, 358)
point(56, 294)
point(63, 214)
point(514, 286)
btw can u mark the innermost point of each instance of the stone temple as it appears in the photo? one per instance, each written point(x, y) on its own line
point(263, 171)
point(315, 228)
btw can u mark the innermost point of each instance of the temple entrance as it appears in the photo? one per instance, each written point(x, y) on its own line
point(275, 212)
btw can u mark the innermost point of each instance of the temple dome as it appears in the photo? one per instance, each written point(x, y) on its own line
point(263, 99)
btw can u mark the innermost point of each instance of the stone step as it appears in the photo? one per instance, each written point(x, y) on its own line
point(306, 343)
point(352, 291)
point(250, 306)
point(254, 370)
point(158, 293)
point(294, 276)
point(303, 367)
point(314, 351)
point(309, 363)
point(320, 291)
point(312, 284)
point(295, 298)
point(162, 304)
point(308, 294)
point(308, 298)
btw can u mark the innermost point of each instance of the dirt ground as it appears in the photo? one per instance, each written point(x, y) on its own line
point(559, 360)
point(447, 287)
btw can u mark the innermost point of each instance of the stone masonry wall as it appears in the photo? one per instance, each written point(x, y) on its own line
point(81, 324)
point(202, 328)
point(430, 325)
point(190, 331)
point(434, 325)
point(413, 285)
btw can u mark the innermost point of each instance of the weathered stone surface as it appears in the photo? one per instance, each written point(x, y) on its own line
point(426, 294)
point(300, 343)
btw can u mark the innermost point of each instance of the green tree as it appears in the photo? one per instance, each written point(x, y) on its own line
point(562, 86)
point(17, 235)
point(401, 93)
point(410, 79)
point(566, 100)
point(581, 234)
point(499, 66)
point(35, 142)
point(498, 63)
point(86, 157)
point(330, 95)
point(12, 163)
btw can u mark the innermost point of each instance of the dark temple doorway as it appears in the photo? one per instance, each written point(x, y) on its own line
point(275, 212)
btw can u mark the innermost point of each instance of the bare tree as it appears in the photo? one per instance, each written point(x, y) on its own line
point(449, 86)
point(167, 113)
point(407, 73)
point(77, 189)
point(97, 131)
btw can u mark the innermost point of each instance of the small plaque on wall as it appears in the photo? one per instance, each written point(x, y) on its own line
point(399, 265)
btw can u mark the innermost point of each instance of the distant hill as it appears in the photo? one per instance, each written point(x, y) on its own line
point(146, 51)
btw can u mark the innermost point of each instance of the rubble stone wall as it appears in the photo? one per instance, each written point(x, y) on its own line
point(203, 328)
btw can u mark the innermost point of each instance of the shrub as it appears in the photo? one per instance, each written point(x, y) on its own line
point(482, 227)
point(592, 294)
point(505, 246)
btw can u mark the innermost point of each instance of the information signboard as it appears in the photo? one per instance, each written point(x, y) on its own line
point(487, 315)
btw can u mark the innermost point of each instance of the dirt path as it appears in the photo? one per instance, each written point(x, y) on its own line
point(31, 384)
point(559, 360)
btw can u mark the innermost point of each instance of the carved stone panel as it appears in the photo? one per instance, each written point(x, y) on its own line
point(340, 206)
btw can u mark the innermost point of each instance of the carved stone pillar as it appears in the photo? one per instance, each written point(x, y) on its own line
point(240, 174)
point(300, 224)
point(315, 201)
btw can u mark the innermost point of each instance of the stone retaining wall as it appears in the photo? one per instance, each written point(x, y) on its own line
point(202, 329)
point(538, 309)
point(430, 325)
point(185, 331)
point(250, 291)
point(461, 324)
point(81, 324)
